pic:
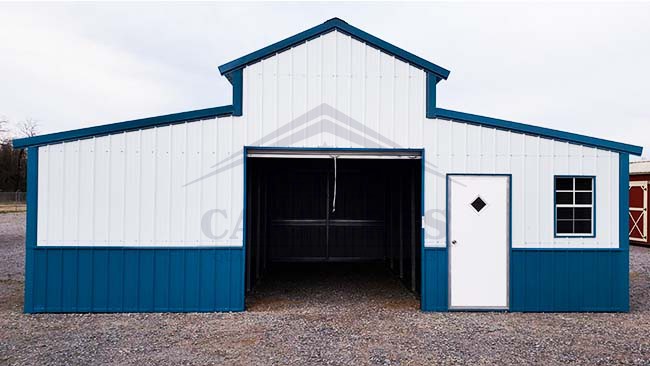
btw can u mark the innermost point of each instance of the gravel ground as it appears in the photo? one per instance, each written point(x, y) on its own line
point(335, 316)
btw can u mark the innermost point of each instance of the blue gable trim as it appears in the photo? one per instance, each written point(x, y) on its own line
point(329, 26)
point(432, 80)
point(237, 80)
point(538, 131)
point(136, 124)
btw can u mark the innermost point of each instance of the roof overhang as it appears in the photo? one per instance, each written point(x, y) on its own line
point(137, 124)
point(538, 131)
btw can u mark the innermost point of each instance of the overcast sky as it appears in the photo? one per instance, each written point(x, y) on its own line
point(580, 67)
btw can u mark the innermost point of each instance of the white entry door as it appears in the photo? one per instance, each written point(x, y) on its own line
point(478, 239)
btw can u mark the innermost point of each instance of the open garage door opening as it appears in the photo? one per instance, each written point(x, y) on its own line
point(333, 219)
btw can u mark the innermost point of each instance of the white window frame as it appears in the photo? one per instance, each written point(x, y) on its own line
point(592, 231)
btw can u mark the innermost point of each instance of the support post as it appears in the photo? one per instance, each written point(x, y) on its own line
point(413, 231)
point(248, 237)
point(258, 236)
point(401, 229)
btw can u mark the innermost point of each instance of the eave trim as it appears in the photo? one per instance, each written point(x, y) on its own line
point(538, 131)
point(136, 124)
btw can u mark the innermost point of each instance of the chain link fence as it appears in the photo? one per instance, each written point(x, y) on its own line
point(12, 201)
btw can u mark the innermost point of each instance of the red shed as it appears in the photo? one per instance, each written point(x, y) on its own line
point(639, 179)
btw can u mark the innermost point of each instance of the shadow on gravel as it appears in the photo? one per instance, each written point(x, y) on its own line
point(340, 286)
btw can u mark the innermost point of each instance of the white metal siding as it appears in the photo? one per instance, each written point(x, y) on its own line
point(533, 163)
point(157, 186)
point(131, 189)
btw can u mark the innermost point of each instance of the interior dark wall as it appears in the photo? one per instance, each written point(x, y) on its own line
point(291, 215)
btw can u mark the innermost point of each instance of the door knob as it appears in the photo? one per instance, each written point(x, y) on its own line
point(453, 242)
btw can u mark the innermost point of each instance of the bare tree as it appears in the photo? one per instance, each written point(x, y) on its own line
point(12, 161)
point(28, 127)
point(3, 128)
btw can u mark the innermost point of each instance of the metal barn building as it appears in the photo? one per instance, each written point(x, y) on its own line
point(639, 202)
point(333, 150)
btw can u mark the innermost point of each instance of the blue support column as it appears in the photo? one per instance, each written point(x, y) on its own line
point(432, 80)
point(623, 227)
point(31, 226)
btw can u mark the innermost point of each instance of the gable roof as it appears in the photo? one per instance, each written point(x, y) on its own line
point(232, 70)
point(329, 26)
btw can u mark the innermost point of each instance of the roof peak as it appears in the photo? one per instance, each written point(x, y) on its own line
point(326, 27)
point(335, 20)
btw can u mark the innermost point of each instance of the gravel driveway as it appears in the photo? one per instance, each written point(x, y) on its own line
point(363, 317)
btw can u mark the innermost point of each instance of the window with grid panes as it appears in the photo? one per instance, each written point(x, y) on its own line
point(574, 206)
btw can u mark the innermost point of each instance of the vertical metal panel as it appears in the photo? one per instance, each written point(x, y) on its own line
point(116, 279)
point(142, 188)
point(434, 280)
point(86, 210)
point(117, 189)
point(133, 190)
point(569, 280)
point(42, 203)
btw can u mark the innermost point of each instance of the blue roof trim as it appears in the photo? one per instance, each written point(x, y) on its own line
point(432, 81)
point(538, 131)
point(237, 80)
point(328, 26)
point(136, 124)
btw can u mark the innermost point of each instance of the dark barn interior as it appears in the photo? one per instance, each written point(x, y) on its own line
point(315, 213)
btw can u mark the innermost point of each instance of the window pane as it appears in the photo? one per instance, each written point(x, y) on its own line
point(563, 184)
point(564, 227)
point(583, 184)
point(582, 226)
point(583, 213)
point(563, 198)
point(583, 198)
point(564, 213)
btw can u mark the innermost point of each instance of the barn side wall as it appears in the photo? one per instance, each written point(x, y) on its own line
point(126, 279)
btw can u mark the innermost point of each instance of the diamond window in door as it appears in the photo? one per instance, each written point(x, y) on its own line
point(478, 204)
